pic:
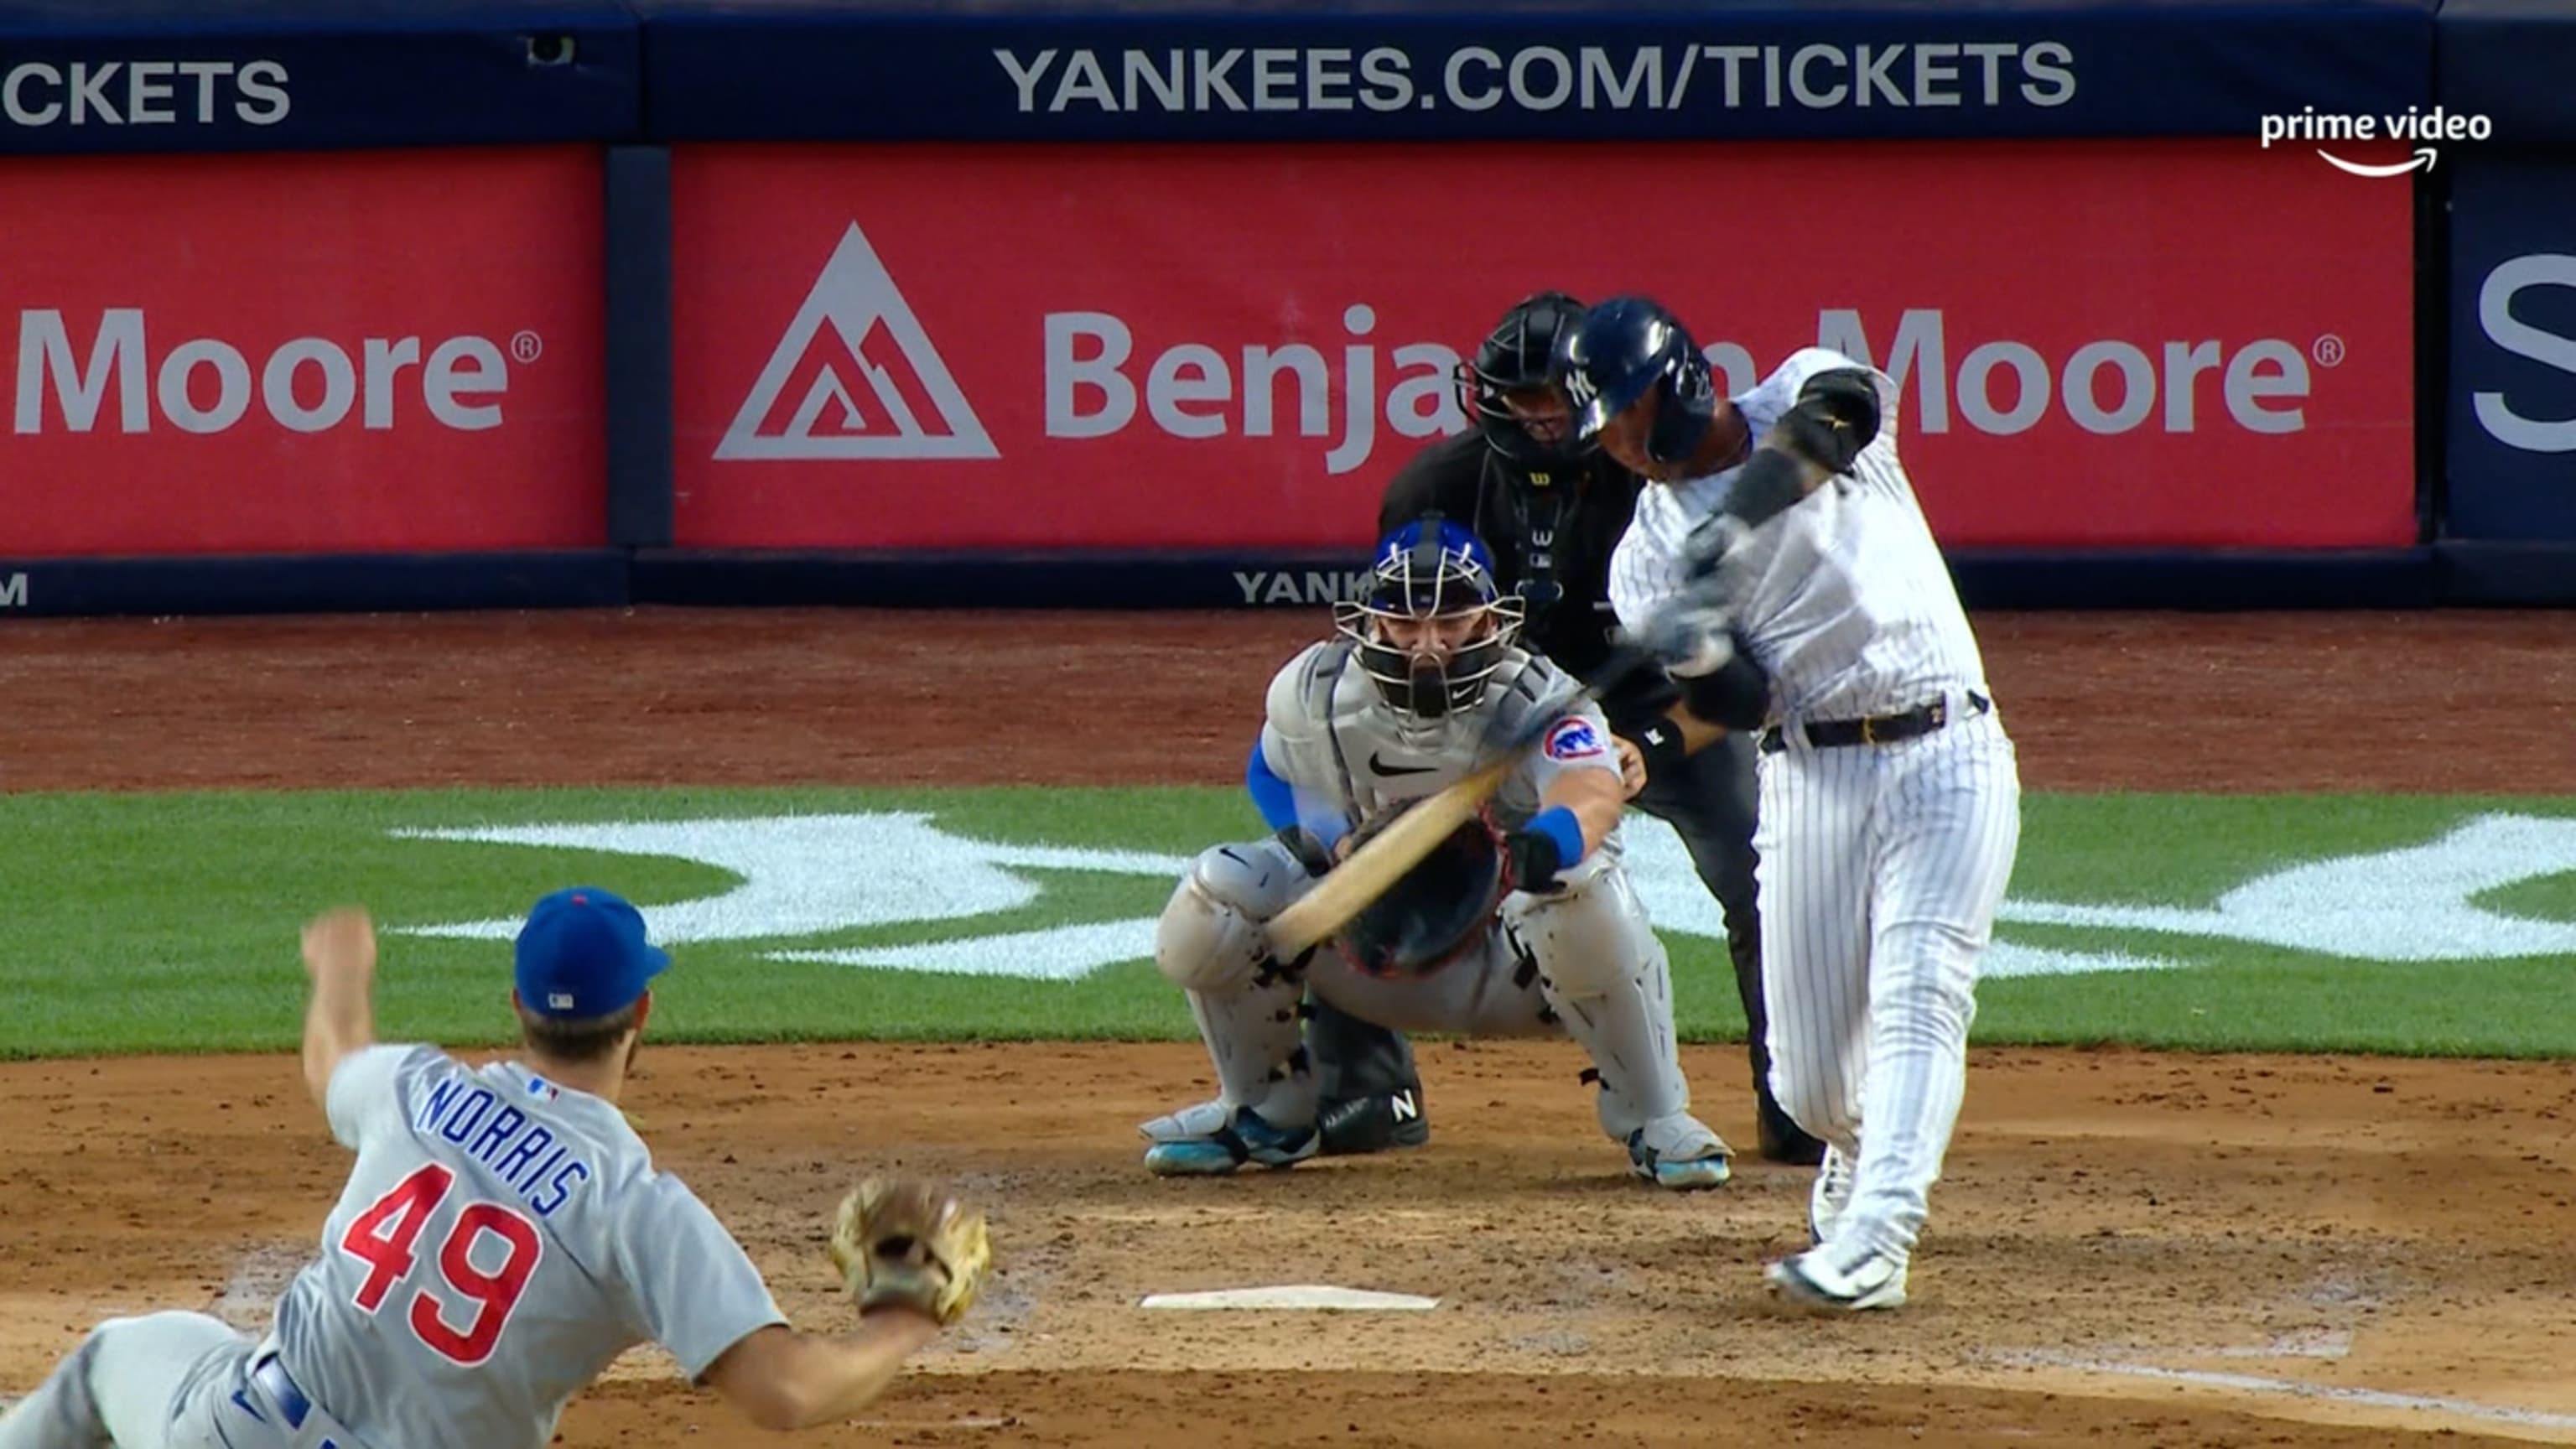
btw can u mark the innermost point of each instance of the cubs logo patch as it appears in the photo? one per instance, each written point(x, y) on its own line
point(1574, 739)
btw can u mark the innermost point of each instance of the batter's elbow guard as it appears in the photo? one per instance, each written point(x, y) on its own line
point(1835, 416)
point(1737, 695)
point(1768, 485)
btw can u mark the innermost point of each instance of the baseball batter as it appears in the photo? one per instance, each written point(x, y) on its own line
point(1785, 536)
point(503, 1236)
point(1421, 676)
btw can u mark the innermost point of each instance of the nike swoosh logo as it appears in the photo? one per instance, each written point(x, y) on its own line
point(1383, 768)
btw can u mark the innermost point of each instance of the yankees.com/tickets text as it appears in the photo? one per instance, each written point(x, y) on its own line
point(143, 93)
point(1984, 74)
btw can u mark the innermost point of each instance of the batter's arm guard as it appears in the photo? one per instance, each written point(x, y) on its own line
point(1836, 415)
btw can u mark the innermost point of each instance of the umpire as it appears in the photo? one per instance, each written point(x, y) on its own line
point(1552, 510)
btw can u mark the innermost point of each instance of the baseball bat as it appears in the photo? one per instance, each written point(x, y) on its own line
point(1348, 888)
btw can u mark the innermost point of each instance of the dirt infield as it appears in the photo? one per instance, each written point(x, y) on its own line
point(2128, 1248)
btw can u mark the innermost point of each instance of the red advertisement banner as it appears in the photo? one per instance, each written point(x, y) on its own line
point(392, 351)
point(2100, 343)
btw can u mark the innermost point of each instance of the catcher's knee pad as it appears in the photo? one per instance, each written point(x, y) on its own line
point(1590, 937)
point(1210, 937)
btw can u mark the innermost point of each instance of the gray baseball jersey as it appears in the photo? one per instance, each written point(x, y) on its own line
point(501, 1240)
point(1577, 957)
point(1330, 734)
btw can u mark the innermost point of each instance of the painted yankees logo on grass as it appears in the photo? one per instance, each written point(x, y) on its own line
point(814, 875)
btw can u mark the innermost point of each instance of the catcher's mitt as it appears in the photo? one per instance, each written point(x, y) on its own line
point(1429, 917)
point(901, 1243)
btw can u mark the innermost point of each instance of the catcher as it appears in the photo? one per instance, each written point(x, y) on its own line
point(504, 1236)
point(1522, 924)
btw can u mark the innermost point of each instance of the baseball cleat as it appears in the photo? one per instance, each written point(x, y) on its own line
point(1200, 1119)
point(1834, 1281)
point(1355, 1126)
point(1248, 1139)
point(1680, 1153)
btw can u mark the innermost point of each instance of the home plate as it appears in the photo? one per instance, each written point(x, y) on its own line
point(1303, 1295)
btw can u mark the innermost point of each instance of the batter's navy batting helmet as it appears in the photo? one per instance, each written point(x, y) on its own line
point(1627, 348)
point(1426, 571)
point(1520, 356)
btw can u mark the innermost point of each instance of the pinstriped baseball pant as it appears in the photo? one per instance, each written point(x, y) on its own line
point(1881, 867)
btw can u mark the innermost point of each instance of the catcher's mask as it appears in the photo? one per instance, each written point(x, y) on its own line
point(1432, 626)
point(1510, 387)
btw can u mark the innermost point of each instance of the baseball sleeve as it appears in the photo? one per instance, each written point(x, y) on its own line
point(1579, 741)
point(696, 1291)
point(365, 1096)
point(1645, 567)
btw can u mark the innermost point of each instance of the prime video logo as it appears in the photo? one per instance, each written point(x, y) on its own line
point(2420, 126)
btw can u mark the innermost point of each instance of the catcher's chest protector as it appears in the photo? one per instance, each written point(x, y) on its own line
point(1349, 750)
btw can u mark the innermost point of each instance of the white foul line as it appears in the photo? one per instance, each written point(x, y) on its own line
point(2253, 1383)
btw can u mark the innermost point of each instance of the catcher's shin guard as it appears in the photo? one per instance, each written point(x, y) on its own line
point(1605, 976)
point(1210, 944)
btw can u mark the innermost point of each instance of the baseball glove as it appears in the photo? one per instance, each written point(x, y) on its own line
point(902, 1243)
point(1430, 916)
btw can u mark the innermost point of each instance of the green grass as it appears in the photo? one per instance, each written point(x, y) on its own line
point(169, 922)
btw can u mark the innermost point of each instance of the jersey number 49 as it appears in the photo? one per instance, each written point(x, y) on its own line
point(382, 1238)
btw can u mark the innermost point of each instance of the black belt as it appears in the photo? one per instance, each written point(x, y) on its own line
point(271, 1377)
point(1883, 729)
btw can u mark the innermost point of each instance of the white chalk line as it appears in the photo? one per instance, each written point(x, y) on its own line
point(2336, 1393)
point(2335, 1343)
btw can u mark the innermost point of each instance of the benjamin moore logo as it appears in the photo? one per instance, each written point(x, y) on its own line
point(2413, 125)
point(855, 377)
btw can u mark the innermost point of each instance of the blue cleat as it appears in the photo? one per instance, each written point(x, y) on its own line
point(1680, 1153)
point(1221, 1147)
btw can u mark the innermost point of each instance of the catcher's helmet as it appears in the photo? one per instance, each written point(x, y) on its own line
point(1433, 625)
point(1520, 356)
point(1625, 349)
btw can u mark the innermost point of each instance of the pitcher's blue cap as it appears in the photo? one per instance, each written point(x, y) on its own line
point(582, 953)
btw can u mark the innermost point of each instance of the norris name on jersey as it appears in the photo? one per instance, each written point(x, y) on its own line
point(519, 1149)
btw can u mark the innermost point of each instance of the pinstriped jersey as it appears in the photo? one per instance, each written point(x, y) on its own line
point(1349, 756)
point(502, 1239)
point(1844, 598)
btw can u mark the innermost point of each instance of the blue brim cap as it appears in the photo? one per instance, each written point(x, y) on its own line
point(584, 953)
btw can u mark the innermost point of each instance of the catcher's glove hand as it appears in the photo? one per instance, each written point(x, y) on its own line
point(1435, 911)
point(899, 1243)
